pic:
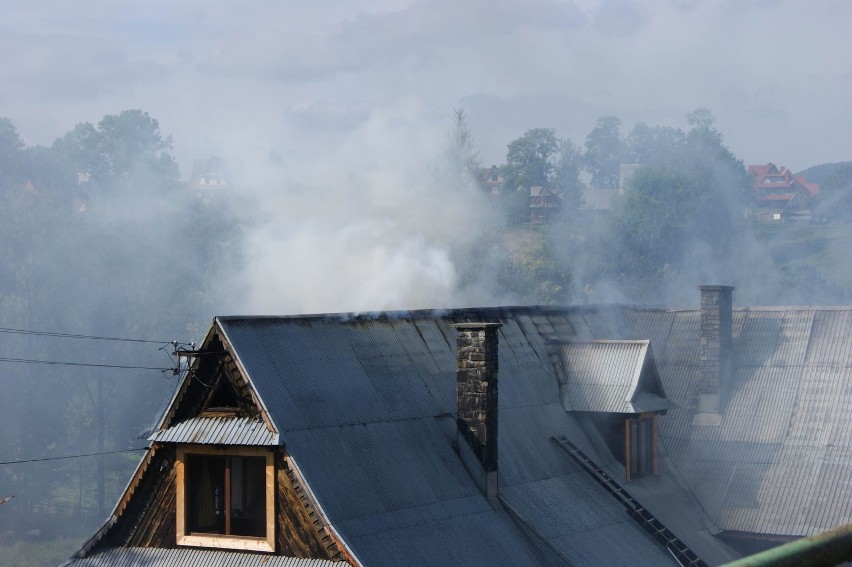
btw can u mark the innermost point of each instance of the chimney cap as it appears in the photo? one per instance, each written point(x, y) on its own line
point(476, 325)
point(716, 287)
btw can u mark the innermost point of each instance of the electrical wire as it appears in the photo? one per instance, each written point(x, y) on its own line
point(64, 363)
point(74, 336)
point(73, 456)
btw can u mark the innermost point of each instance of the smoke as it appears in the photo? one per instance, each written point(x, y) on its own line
point(368, 224)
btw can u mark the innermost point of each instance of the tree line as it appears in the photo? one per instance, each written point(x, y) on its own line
point(99, 238)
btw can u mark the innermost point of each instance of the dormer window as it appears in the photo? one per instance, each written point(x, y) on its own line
point(225, 497)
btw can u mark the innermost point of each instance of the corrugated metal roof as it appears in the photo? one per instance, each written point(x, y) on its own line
point(187, 557)
point(217, 431)
point(607, 376)
point(356, 401)
point(765, 469)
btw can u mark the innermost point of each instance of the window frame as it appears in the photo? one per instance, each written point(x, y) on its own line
point(646, 458)
point(249, 543)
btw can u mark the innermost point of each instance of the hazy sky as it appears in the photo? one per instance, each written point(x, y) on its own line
point(290, 79)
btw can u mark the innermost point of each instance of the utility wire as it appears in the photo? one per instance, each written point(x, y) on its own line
point(73, 336)
point(63, 363)
point(73, 456)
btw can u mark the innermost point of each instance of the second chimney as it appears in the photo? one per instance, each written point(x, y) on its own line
point(716, 352)
point(476, 396)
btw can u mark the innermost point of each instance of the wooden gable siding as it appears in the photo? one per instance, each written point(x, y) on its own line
point(211, 372)
point(301, 531)
point(147, 513)
point(148, 517)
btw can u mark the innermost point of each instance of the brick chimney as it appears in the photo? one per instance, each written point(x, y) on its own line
point(716, 352)
point(476, 397)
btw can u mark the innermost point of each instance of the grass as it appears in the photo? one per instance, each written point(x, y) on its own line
point(825, 251)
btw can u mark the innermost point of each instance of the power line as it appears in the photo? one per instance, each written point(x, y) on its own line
point(63, 363)
point(75, 336)
point(73, 456)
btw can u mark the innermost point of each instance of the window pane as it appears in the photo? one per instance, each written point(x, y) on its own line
point(248, 496)
point(205, 491)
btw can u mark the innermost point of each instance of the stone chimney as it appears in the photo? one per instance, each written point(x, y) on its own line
point(476, 396)
point(716, 352)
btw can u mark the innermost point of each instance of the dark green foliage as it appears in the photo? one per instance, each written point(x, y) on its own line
point(681, 216)
point(540, 159)
point(530, 159)
point(604, 153)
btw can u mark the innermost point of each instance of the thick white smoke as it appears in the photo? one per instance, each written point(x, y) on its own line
point(365, 225)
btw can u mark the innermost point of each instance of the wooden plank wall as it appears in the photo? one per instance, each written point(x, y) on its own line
point(148, 520)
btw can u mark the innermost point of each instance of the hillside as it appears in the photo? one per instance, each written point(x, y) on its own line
point(808, 264)
point(819, 173)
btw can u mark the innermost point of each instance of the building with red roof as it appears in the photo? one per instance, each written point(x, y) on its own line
point(779, 196)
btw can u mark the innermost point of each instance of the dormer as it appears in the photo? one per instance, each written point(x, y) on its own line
point(616, 382)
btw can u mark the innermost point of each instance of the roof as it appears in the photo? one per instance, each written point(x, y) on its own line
point(768, 182)
point(612, 376)
point(217, 431)
point(781, 461)
point(186, 557)
point(364, 405)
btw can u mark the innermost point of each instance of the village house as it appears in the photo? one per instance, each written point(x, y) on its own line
point(492, 181)
point(544, 205)
point(209, 178)
point(780, 196)
point(593, 435)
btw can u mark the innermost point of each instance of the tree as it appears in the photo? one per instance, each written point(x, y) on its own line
point(530, 159)
point(566, 175)
point(10, 151)
point(652, 145)
point(131, 141)
point(125, 150)
point(461, 157)
point(602, 159)
point(681, 215)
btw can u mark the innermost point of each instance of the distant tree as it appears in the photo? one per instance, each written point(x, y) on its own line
point(461, 156)
point(652, 145)
point(682, 212)
point(566, 175)
point(530, 159)
point(701, 118)
point(604, 152)
point(11, 146)
point(124, 147)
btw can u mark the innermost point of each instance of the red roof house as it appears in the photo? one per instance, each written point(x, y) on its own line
point(778, 195)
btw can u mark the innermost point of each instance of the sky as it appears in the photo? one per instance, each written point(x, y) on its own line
point(334, 113)
point(289, 79)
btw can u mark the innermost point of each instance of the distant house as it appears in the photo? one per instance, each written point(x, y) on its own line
point(780, 196)
point(597, 203)
point(593, 435)
point(544, 204)
point(209, 178)
point(492, 180)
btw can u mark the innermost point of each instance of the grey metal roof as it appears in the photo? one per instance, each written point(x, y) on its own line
point(358, 401)
point(187, 557)
point(217, 431)
point(781, 461)
point(614, 376)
